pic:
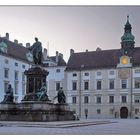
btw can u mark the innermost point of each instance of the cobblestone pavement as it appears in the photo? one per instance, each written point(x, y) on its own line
point(82, 127)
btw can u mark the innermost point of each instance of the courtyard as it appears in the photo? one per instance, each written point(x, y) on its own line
point(82, 127)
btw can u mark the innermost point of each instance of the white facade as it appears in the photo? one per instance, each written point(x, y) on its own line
point(55, 80)
point(11, 71)
point(104, 107)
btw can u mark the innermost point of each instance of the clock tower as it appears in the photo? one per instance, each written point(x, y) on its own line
point(127, 40)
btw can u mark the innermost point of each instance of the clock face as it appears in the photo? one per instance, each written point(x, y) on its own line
point(124, 60)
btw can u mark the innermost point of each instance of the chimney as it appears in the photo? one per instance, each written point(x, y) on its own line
point(61, 55)
point(57, 54)
point(45, 54)
point(7, 36)
point(71, 51)
point(16, 41)
point(98, 49)
point(27, 45)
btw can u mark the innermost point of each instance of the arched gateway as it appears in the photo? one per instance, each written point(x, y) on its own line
point(123, 112)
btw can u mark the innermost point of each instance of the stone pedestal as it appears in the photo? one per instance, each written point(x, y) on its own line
point(33, 111)
point(34, 106)
point(36, 76)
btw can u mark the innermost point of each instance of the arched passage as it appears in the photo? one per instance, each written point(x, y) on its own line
point(124, 112)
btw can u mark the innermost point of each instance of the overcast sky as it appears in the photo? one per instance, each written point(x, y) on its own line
point(66, 27)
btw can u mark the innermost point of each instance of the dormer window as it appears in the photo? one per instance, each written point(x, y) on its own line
point(3, 47)
point(29, 56)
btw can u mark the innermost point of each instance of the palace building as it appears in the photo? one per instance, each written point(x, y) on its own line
point(106, 83)
point(97, 84)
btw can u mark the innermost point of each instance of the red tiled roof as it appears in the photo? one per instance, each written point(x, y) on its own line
point(99, 59)
point(15, 50)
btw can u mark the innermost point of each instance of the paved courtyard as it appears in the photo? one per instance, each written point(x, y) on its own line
point(82, 127)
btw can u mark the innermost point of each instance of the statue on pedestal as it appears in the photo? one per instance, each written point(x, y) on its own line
point(8, 98)
point(61, 96)
point(37, 52)
point(42, 93)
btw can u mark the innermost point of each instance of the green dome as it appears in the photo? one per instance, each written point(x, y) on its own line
point(127, 37)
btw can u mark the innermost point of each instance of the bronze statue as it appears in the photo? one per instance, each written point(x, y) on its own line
point(8, 98)
point(61, 96)
point(41, 94)
point(37, 52)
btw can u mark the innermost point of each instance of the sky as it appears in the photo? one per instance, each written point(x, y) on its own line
point(69, 27)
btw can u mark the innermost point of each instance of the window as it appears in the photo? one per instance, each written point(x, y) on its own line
point(23, 76)
point(111, 99)
point(16, 75)
point(137, 83)
point(74, 74)
point(98, 111)
point(111, 72)
point(86, 99)
point(137, 99)
point(57, 86)
point(5, 86)
point(98, 99)
point(74, 85)
point(57, 70)
point(136, 111)
point(111, 84)
point(6, 73)
point(16, 64)
point(74, 100)
point(137, 71)
point(99, 73)
point(124, 84)
point(124, 99)
point(6, 61)
point(98, 84)
point(23, 66)
point(86, 85)
point(16, 87)
point(86, 74)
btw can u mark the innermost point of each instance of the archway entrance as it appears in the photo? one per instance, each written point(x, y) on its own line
point(123, 112)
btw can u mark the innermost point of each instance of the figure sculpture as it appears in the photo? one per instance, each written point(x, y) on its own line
point(41, 94)
point(8, 98)
point(61, 96)
point(37, 52)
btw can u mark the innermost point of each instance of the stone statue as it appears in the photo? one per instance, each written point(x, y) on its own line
point(37, 52)
point(61, 96)
point(8, 98)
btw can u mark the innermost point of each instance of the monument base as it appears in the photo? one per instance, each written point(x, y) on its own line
point(35, 111)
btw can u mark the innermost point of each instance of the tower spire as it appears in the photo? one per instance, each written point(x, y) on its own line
point(127, 40)
point(127, 17)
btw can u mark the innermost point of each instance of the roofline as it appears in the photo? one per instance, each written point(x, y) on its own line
point(9, 56)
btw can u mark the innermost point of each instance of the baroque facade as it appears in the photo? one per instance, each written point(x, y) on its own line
point(106, 83)
point(98, 84)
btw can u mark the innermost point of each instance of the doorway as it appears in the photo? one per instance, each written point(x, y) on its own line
point(124, 112)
